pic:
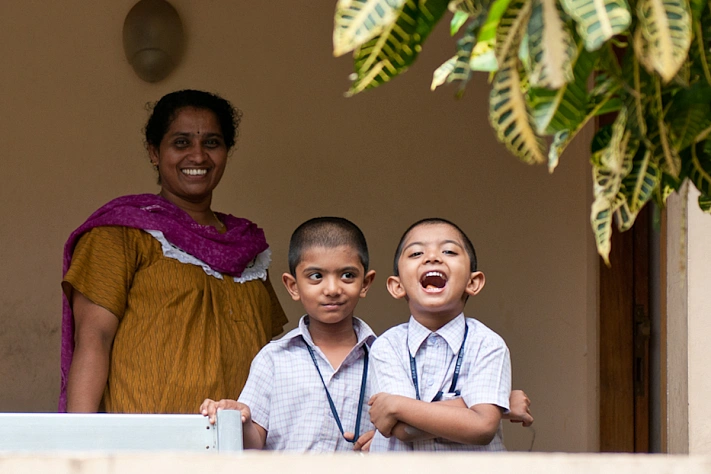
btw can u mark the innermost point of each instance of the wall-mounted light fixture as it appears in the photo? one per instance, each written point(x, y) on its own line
point(153, 39)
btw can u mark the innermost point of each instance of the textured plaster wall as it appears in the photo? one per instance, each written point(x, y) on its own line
point(71, 114)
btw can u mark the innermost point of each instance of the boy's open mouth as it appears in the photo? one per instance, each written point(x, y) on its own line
point(433, 281)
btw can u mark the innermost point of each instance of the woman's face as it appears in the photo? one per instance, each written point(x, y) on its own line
point(192, 156)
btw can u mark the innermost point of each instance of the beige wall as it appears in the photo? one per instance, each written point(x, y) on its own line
point(536, 463)
point(71, 114)
point(689, 324)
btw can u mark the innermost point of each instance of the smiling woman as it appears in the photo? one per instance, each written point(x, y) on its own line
point(166, 302)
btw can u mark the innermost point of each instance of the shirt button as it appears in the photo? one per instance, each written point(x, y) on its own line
point(430, 382)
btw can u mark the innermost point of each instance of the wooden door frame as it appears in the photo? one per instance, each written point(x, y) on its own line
point(624, 349)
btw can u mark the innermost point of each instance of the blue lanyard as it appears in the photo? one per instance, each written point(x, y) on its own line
point(356, 432)
point(457, 368)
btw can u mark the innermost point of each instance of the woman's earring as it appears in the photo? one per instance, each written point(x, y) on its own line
point(155, 166)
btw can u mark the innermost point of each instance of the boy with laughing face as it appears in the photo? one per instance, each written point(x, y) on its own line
point(308, 391)
point(444, 380)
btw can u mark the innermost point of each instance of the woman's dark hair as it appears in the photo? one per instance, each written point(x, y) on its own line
point(166, 109)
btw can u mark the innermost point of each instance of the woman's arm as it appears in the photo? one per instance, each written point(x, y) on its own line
point(95, 329)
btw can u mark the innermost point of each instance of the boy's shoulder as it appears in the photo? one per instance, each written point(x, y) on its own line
point(296, 338)
point(282, 345)
point(480, 331)
point(392, 336)
point(395, 331)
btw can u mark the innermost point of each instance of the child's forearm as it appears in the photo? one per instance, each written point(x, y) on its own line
point(410, 434)
point(476, 425)
point(253, 435)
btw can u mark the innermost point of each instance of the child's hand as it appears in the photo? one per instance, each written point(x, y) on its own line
point(519, 411)
point(363, 443)
point(382, 412)
point(209, 408)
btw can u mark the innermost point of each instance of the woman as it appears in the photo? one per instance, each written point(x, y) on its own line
point(167, 302)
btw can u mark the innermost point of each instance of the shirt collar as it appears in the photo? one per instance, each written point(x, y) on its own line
point(364, 333)
point(452, 332)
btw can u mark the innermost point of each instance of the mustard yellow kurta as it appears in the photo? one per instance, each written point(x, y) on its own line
point(183, 335)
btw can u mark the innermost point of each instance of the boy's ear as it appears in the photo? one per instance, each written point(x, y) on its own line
point(289, 281)
point(395, 287)
point(476, 282)
point(367, 281)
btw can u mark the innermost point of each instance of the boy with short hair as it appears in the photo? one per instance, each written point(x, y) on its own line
point(308, 391)
point(444, 380)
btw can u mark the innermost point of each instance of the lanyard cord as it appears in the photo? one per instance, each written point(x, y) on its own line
point(455, 377)
point(356, 432)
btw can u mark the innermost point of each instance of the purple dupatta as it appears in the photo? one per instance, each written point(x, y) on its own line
point(227, 253)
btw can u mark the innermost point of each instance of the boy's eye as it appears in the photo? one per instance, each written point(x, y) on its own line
point(348, 275)
point(415, 254)
point(315, 276)
point(449, 252)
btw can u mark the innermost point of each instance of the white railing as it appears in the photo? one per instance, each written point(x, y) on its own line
point(62, 432)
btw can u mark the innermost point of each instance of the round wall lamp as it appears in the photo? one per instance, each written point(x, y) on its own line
point(153, 39)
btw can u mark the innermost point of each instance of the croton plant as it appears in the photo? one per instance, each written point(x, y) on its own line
point(556, 64)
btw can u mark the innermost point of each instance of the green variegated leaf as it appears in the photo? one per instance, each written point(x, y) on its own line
point(601, 98)
point(700, 173)
point(601, 214)
point(483, 57)
point(358, 21)
point(697, 7)
point(458, 20)
point(640, 91)
point(442, 73)
point(565, 108)
point(390, 54)
point(560, 141)
point(700, 51)
point(508, 114)
point(689, 116)
point(511, 28)
point(625, 216)
point(644, 177)
point(705, 203)
point(659, 139)
point(457, 69)
point(666, 29)
point(664, 190)
point(551, 47)
point(598, 20)
point(600, 141)
point(469, 7)
point(611, 164)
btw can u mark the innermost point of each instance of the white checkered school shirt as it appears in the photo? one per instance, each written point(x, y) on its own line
point(287, 398)
point(485, 375)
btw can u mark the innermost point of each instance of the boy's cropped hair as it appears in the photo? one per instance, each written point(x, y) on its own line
point(326, 232)
point(469, 247)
